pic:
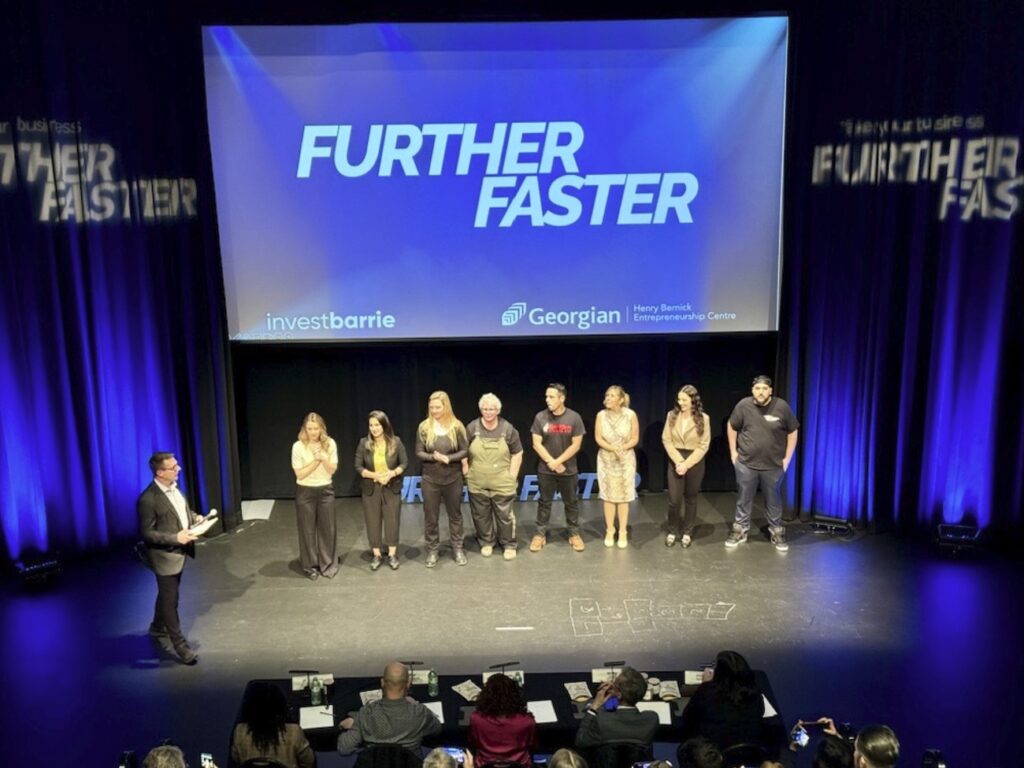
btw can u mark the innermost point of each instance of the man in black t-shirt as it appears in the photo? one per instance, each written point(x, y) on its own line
point(557, 434)
point(762, 434)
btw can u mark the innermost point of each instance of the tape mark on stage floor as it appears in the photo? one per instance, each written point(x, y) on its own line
point(513, 629)
point(589, 616)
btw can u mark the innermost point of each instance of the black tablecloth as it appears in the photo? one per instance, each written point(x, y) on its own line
point(344, 695)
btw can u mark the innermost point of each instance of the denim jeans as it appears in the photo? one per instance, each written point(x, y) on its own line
point(770, 482)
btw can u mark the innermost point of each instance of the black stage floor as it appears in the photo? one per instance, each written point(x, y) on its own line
point(873, 629)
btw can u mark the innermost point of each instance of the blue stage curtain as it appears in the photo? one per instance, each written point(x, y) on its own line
point(901, 338)
point(902, 332)
point(112, 340)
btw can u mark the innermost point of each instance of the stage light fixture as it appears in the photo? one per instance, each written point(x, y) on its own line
point(38, 570)
point(832, 526)
point(955, 539)
point(933, 758)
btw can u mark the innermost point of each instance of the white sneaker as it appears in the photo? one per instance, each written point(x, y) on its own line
point(779, 540)
point(486, 550)
point(736, 537)
point(510, 554)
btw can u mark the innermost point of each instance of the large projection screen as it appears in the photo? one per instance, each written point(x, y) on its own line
point(487, 180)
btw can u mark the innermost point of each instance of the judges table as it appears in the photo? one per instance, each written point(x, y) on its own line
point(344, 695)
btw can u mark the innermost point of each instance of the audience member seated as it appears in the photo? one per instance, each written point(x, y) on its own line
point(624, 726)
point(727, 708)
point(876, 746)
point(395, 719)
point(832, 752)
point(264, 732)
point(566, 758)
point(698, 752)
point(439, 758)
point(165, 756)
point(501, 729)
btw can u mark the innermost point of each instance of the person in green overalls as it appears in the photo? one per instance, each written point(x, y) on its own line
point(492, 471)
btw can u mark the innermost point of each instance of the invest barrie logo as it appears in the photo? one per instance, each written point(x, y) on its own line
point(578, 318)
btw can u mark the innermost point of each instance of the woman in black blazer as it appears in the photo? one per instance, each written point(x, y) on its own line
point(380, 461)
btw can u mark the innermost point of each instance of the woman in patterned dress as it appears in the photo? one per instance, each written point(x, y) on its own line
point(616, 431)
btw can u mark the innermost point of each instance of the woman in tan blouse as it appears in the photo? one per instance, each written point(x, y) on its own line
point(686, 437)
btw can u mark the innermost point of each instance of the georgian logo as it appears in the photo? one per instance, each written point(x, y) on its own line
point(513, 314)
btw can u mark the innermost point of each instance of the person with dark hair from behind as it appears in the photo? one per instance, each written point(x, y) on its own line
point(727, 708)
point(396, 718)
point(698, 752)
point(264, 732)
point(566, 758)
point(501, 729)
point(832, 752)
point(876, 746)
point(626, 723)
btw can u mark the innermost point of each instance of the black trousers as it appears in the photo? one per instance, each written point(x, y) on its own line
point(165, 612)
point(565, 485)
point(382, 508)
point(683, 492)
point(494, 519)
point(432, 496)
point(318, 527)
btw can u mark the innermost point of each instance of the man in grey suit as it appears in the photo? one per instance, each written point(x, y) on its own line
point(598, 726)
point(164, 522)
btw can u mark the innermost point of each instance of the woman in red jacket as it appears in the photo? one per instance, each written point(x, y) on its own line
point(501, 730)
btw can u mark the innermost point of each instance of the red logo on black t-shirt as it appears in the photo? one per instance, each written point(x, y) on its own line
point(558, 429)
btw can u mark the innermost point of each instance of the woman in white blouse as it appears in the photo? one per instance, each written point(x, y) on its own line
point(315, 460)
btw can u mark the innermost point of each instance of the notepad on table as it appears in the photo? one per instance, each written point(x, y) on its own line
point(316, 717)
point(542, 711)
point(436, 708)
point(660, 707)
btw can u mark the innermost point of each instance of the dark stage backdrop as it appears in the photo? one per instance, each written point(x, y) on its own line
point(112, 335)
point(904, 267)
point(901, 336)
point(277, 386)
